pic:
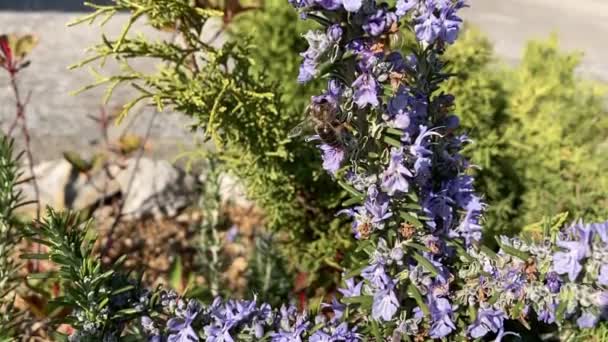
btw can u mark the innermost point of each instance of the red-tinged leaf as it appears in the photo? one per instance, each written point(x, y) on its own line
point(6, 49)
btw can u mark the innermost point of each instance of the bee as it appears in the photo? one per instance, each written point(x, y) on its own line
point(323, 118)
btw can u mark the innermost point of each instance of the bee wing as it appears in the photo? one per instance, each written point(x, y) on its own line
point(299, 129)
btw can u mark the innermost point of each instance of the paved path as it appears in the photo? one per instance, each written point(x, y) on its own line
point(59, 121)
point(581, 25)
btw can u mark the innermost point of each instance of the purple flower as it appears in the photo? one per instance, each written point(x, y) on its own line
point(385, 304)
point(217, 333)
point(182, 326)
point(379, 22)
point(398, 109)
point(438, 20)
point(318, 43)
point(461, 190)
point(320, 336)
point(568, 262)
point(403, 6)
point(470, 228)
point(376, 275)
point(587, 320)
point(419, 148)
point(393, 178)
point(601, 229)
point(332, 158)
point(488, 320)
point(439, 208)
point(292, 325)
point(450, 23)
point(422, 169)
point(441, 313)
point(547, 314)
point(343, 333)
point(602, 278)
point(377, 205)
point(334, 88)
point(553, 282)
point(365, 90)
point(352, 289)
point(428, 27)
point(352, 5)
point(308, 70)
point(334, 32)
point(329, 4)
point(150, 329)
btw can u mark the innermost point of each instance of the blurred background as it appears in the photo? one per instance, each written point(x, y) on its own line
point(531, 91)
point(57, 120)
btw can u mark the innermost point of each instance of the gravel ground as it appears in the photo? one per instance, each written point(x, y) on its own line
point(58, 121)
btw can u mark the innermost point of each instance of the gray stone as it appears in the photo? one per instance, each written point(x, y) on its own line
point(62, 187)
point(148, 187)
point(154, 187)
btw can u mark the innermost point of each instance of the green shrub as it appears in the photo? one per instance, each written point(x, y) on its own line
point(232, 97)
point(539, 132)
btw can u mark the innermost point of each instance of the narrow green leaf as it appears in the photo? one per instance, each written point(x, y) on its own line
point(410, 219)
point(413, 291)
point(513, 251)
point(392, 141)
point(416, 246)
point(125, 312)
point(124, 289)
point(176, 274)
point(376, 331)
point(394, 131)
point(351, 201)
point(425, 263)
point(354, 192)
point(364, 301)
point(490, 253)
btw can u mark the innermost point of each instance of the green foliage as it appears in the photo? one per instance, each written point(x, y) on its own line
point(231, 99)
point(539, 132)
point(101, 300)
point(277, 32)
point(10, 199)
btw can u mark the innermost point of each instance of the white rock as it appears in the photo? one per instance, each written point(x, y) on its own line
point(154, 187)
point(62, 187)
point(231, 189)
point(51, 177)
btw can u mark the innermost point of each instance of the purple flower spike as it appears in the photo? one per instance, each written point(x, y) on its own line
point(366, 91)
point(352, 5)
point(329, 4)
point(377, 205)
point(376, 24)
point(587, 320)
point(332, 158)
point(393, 178)
point(352, 289)
point(308, 70)
point(568, 262)
point(182, 326)
point(553, 282)
point(441, 312)
point(488, 320)
point(603, 276)
point(334, 33)
point(385, 305)
point(404, 6)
